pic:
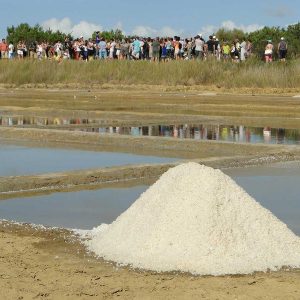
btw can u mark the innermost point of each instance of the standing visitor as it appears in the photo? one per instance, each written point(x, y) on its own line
point(58, 49)
point(118, 50)
point(20, 50)
point(163, 50)
point(150, 43)
point(84, 51)
point(168, 43)
point(136, 49)
point(226, 51)
point(91, 49)
point(102, 49)
point(282, 49)
point(39, 51)
point(217, 49)
point(11, 50)
point(3, 49)
point(97, 41)
point(199, 47)
point(249, 48)
point(156, 49)
point(210, 46)
point(146, 49)
point(269, 52)
point(189, 48)
point(77, 50)
point(176, 45)
point(112, 48)
point(234, 53)
point(182, 47)
point(243, 50)
point(32, 50)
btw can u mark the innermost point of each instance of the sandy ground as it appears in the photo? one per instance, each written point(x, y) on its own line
point(38, 263)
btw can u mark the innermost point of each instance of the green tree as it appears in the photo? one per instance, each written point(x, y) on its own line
point(230, 35)
point(109, 35)
point(29, 34)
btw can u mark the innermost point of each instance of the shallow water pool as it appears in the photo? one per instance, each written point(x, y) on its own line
point(276, 187)
point(21, 160)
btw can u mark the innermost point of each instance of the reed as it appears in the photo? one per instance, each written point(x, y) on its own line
point(250, 74)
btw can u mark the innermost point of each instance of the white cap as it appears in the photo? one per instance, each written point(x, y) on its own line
point(282, 38)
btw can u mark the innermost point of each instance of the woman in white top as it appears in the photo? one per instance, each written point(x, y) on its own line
point(269, 52)
point(11, 50)
point(20, 50)
point(243, 46)
point(112, 49)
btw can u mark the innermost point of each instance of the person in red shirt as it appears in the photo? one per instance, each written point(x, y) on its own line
point(3, 49)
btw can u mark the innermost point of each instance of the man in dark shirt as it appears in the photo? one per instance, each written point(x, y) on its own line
point(210, 46)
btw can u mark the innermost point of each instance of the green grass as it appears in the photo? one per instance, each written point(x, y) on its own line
point(251, 74)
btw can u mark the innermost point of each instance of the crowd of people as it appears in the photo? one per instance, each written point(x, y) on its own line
point(158, 49)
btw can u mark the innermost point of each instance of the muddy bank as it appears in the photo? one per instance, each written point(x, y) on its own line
point(110, 87)
point(158, 105)
point(14, 186)
point(68, 180)
point(36, 263)
point(210, 153)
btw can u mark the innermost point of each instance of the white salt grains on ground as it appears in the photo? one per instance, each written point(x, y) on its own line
point(196, 219)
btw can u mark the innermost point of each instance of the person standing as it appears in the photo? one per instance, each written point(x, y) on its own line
point(210, 46)
point(3, 49)
point(269, 52)
point(136, 49)
point(112, 48)
point(156, 49)
point(243, 50)
point(249, 47)
point(226, 51)
point(102, 49)
point(217, 49)
point(282, 49)
point(11, 50)
point(199, 47)
point(20, 50)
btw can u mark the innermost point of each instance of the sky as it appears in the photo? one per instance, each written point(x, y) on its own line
point(149, 18)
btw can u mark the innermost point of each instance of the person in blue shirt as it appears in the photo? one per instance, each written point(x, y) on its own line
point(136, 48)
point(102, 49)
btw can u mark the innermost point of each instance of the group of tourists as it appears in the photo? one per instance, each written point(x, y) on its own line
point(158, 49)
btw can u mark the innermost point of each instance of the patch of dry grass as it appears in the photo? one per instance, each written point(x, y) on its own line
point(251, 74)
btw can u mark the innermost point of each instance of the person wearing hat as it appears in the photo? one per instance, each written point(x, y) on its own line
point(269, 52)
point(282, 49)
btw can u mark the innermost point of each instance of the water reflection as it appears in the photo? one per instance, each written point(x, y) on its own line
point(229, 133)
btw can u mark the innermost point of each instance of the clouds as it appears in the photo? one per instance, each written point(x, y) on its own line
point(86, 29)
point(229, 25)
point(147, 31)
point(65, 25)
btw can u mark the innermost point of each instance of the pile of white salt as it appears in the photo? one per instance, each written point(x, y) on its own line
point(196, 219)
